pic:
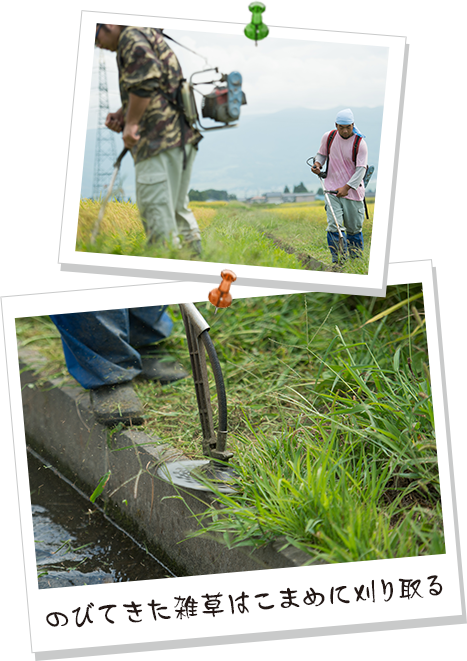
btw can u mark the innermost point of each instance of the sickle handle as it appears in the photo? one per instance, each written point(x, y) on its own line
point(221, 296)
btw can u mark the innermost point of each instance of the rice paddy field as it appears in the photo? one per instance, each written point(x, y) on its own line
point(283, 236)
point(330, 419)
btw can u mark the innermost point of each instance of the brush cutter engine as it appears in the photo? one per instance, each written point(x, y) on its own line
point(222, 104)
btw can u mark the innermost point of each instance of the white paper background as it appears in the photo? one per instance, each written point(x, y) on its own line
point(39, 55)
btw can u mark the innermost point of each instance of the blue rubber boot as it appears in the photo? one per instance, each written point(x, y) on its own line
point(355, 242)
point(333, 242)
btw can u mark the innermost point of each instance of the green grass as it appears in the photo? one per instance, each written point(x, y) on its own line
point(233, 233)
point(344, 465)
point(330, 421)
point(40, 333)
point(303, 226)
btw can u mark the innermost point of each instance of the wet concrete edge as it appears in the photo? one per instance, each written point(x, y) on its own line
point(59, 422)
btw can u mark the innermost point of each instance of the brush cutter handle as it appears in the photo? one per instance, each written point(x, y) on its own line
point(97, 224)
point(120, 157)
point(199, 344)
point(318, 174)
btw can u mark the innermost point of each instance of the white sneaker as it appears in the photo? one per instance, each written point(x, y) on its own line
point(176, 242)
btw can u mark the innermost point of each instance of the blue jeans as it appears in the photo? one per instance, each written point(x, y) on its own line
point(100, 347)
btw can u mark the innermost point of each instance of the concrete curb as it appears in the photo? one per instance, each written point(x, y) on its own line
point(59, 424)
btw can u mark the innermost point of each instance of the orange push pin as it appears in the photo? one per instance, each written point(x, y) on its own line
point(221, 296)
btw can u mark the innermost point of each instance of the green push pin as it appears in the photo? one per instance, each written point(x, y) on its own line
point(256, 29)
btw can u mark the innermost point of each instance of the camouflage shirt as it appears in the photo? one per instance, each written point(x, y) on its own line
point(147, 66)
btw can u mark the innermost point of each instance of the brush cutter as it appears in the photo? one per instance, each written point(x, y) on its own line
point(97, 224)
point(326, 195)
point(214, 470)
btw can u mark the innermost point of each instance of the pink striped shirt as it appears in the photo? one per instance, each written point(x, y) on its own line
point(341, 167)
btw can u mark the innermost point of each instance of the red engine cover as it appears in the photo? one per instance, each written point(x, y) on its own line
point(221, 95)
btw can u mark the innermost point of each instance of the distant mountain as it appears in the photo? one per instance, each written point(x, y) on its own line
point(263, 153)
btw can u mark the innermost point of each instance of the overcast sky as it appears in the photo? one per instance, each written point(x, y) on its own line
point(277, 74)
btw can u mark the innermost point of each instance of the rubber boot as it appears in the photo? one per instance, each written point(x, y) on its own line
point(159, 366)
point(355, 242)
point(116, 404)
point(333, 242)
point(195, 247)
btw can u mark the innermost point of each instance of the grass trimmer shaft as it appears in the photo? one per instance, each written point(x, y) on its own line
point(97, 224)
point(341, 238)
point(321, 176)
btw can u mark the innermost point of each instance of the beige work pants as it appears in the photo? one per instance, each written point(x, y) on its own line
point(162, 196)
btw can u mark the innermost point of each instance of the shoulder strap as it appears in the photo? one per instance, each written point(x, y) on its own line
point(331, 137)
point(356, 145)
point(166, 36)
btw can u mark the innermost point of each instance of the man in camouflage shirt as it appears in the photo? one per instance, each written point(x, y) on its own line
point(162, 143)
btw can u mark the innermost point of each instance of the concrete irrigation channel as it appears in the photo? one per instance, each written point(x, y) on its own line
point(60, 426)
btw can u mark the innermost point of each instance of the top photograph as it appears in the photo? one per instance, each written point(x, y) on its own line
point(267, 150)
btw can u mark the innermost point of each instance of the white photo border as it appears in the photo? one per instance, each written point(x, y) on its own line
point(101, 637)
point(372, 283)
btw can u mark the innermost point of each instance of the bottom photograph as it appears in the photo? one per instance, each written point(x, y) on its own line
point(182, 440)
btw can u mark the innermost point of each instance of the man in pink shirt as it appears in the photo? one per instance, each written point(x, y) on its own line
point(347, 154)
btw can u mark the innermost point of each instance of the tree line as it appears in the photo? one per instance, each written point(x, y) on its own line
point(210, 194)
point(301, 188)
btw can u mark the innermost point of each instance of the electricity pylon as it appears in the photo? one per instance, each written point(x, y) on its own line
point(105, 153)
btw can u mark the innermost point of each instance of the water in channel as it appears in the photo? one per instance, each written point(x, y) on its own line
point(75, 543)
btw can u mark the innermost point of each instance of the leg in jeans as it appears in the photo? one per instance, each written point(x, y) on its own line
point(97, 345)
point(149, 325)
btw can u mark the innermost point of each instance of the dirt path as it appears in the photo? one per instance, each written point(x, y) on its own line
point(308, 262)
